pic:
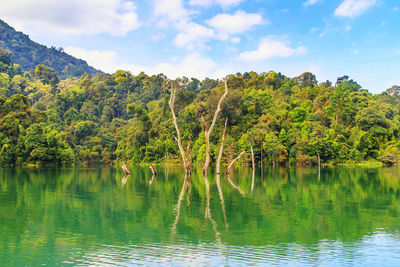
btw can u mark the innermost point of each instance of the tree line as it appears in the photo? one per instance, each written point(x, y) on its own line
point(120, 117)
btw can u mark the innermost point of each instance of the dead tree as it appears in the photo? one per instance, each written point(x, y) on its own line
point(125, 169)
point(185, 155)
point(254, 168)
point(153, 170)
point(233, 162)
point(221, 149)
point(207, 131)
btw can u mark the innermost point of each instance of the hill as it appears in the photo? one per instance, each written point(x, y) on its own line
point(28, 54)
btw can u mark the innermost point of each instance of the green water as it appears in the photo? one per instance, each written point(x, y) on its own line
point(345, 217)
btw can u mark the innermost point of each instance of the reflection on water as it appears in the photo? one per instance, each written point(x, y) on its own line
point(293, 216)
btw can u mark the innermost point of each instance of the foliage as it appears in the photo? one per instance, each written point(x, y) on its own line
point(18, 47)
point(125, 117)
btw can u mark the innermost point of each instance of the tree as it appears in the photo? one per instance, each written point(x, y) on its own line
point(5, 56)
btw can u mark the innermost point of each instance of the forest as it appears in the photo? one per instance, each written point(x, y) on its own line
point(120, 117)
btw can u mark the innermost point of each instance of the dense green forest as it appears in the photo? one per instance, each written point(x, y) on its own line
point(121, 117)
point(28, 54)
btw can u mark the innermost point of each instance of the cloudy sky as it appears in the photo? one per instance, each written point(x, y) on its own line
point(199, 38)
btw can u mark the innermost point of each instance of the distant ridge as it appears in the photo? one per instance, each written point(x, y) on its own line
point(28, 54)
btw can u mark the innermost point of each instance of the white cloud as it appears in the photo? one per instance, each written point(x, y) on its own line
point(227, 3)
point(201, 2)
point(271, 47)
point(206, 3)
point(192, 65)
point(173, 10)
point(395, 9)
point(103, 60)
point(227, 24)
point(353, 8)
point(235, 40)
point(157, 37)
point(193, 35)
point(115, 17)
point(310, 3)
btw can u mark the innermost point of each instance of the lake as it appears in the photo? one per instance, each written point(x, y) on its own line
point(286, 216)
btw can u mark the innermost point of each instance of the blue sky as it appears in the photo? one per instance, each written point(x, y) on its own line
point(213, 38)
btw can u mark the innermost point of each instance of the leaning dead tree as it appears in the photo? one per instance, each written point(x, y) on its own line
point(186, 158)
point(125, 169)
point(253, 163)
point(221, 149)
point(153, 170)
point(207, 131)
point(233, 162)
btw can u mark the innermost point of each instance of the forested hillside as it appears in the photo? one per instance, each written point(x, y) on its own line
point(28, 54)
point(121, 117)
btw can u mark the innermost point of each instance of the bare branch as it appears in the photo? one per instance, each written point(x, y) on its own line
point(254, 168)
point(218, 110)
point(125, 169)
point(153, 170)
point(233, 162)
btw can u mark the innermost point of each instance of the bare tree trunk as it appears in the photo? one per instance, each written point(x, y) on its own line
point(221, 149)
point(262, 163)
point(125, 169)
point(153, 170)
point(186, 161)
point(207, 132)
point(254, 168)
point(319, 167)
point(233, 162)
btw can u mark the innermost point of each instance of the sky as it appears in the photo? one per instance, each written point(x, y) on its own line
point(213, 38)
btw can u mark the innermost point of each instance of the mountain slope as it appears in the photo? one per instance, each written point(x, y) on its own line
point(28, 54)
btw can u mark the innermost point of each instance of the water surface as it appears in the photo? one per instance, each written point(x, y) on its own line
point(287, 216)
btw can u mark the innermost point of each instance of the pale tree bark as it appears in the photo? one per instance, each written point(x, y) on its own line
point(233, 162)
point(262, 162)
point(254, 168)
point(185, 158)
point(153, 170)
point(221, 149)
point(207, 131)
point(319, 167)
point(123, 166)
